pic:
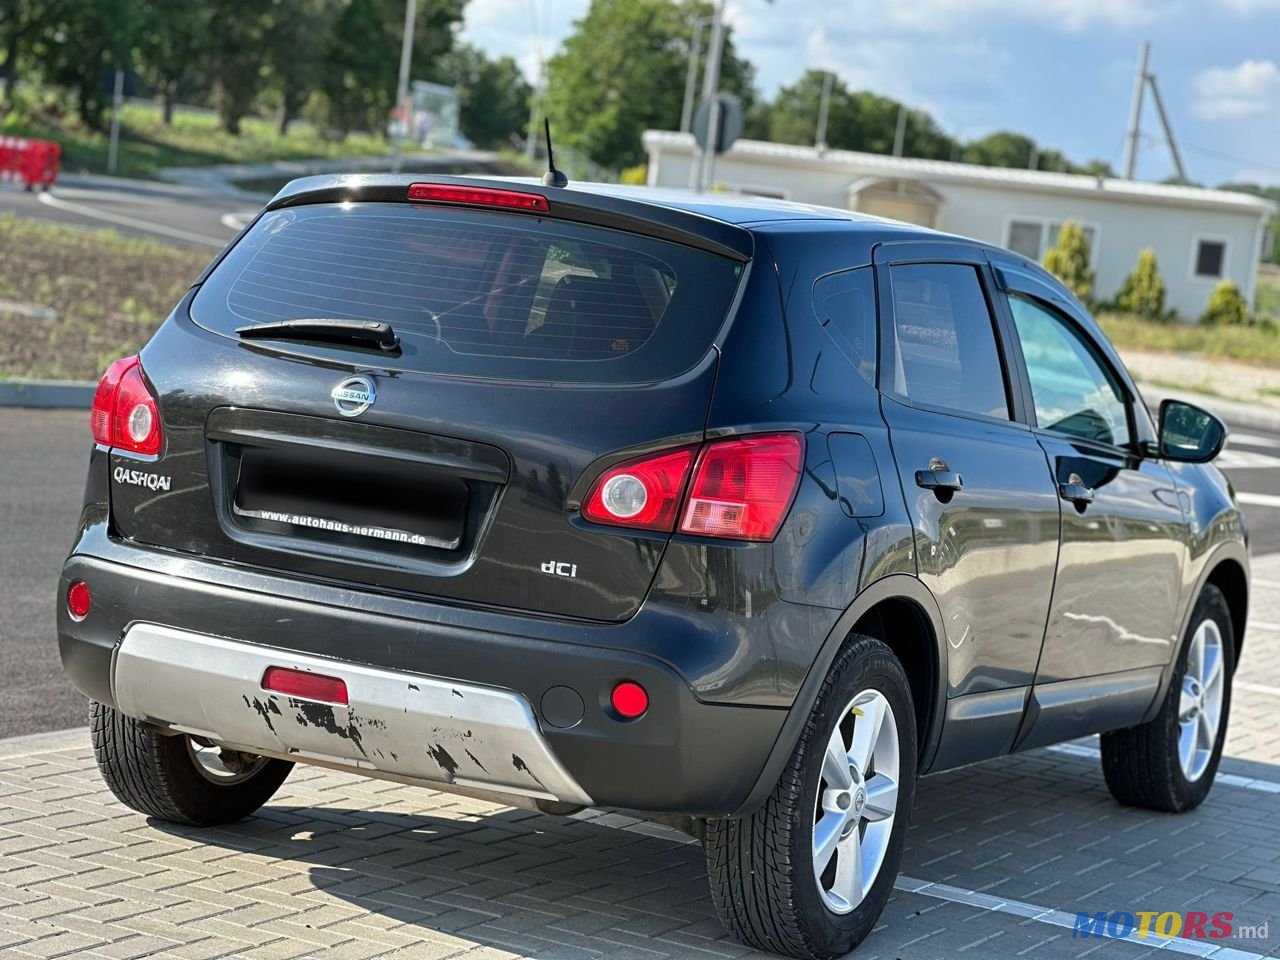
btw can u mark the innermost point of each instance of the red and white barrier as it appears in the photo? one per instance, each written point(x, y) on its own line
point(33, 163)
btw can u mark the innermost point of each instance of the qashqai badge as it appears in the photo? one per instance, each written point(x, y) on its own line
point(353, 396)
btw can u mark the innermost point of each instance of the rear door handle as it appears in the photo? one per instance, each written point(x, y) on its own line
point(1075, 491)
point(939, 477)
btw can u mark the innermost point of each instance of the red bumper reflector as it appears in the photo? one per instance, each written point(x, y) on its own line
point(629, 699)
point(78, 600)
point(480, 197)
point(308, 686)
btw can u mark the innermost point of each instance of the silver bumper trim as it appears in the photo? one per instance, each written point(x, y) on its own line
point(409, 726)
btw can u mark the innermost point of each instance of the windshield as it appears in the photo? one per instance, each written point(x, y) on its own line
point(480, 293)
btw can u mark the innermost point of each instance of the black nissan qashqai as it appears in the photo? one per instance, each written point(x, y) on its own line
point(736, 513)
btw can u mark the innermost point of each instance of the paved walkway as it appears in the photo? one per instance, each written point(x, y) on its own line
point(1001, 856)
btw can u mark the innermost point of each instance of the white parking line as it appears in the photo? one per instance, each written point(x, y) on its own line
point(158, 228)
point(1258, 499)
point(237, 221)
point(1062, 919)
point(1264, 624)
point(1227, 779)
point(1252, 440)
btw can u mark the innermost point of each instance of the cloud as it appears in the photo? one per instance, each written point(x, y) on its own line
point(1064, 15)
point(1230, 93)
point(1249, 7)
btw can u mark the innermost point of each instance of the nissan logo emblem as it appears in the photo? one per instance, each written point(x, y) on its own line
point(353, 396)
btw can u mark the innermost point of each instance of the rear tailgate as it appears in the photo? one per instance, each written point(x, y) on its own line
point(535, 353)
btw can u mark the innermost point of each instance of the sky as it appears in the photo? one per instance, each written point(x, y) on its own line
point(1060, 71)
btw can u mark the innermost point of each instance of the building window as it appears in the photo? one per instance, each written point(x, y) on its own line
point(1210, 258)
point(1032, 236)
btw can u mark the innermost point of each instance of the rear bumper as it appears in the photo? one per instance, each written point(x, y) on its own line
point(182, 642)
point(395, 723)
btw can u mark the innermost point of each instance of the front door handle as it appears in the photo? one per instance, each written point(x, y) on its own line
point(1075, 491)
point(939, 477)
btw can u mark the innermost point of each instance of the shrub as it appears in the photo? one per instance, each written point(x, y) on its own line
point(1226, 306)
point(1143, 290)
point(636, 176)
point(1068, 260)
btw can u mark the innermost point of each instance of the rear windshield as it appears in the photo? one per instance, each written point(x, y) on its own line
point(479, 293)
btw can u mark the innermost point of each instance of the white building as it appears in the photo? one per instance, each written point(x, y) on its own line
point(1199, 236)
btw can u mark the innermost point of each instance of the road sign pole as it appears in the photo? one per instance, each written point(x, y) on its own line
point(117, 99)
point(402, 87)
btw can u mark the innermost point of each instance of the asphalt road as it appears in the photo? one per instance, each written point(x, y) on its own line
point(174, 216)
point(42, 459)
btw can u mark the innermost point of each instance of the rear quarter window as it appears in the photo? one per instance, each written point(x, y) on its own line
point(479, 293)
point(846, 306)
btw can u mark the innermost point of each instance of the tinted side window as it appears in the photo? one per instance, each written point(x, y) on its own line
point(846, 306)
point(945, 345)
point(1074, 392)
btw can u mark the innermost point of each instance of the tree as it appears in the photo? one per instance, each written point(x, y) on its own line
point(855, 121)
point(81, 47)
point(1068, 260)
point(621, 71)
point(493, 95)
point(1226, 307)
point(235, 42)
point(296, 41)
point(1002, 149)
point(362, 58)
point(21, 22)
point(1143, 290)
point(170, 41)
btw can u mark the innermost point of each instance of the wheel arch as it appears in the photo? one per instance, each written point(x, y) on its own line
point(900, 611)
point(1230, 576)
point(1227, 568)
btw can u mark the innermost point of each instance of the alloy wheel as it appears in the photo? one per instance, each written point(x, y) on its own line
point(857, 801)
point(1200, 705)
point(220, 765)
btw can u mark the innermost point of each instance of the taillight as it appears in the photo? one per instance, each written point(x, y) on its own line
point(479, 197)
point(643, 494)
point(742, 487)
point(125, 414)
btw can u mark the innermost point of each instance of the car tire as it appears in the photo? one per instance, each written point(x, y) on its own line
point(1154, 765)
point(165, 776)
point(763, 867)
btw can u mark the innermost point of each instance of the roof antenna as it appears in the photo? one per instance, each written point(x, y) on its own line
point(553, 177)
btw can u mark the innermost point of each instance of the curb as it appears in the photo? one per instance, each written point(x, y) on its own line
point(47, 394)
point(32, 743)
point(1237, 414)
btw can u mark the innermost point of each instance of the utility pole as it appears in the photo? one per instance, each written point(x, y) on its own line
point(539, 86)
point(402, 87)
point(117, 100)
point(1135, 114)
point(900, 135)
point(711, 93)
point(691, 76)
point(824, 109)
point(1168, 129)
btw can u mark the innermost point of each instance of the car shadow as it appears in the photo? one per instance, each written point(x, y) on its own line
point(1038, 828)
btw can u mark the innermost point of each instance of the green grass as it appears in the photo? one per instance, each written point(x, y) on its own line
point(147, 145)
point(1253, 344)
point(110, 293)
point(1268, 296)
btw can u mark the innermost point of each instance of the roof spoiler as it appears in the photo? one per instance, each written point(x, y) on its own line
point(596, 209)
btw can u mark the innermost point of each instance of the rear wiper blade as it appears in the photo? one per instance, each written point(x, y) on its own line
point(357, 332)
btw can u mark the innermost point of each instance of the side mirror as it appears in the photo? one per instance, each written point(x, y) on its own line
point(1188, 433)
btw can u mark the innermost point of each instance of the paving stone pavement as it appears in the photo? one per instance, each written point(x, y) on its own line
point(343, 867)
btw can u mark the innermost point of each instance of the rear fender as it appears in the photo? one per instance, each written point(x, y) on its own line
point(893, 587)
